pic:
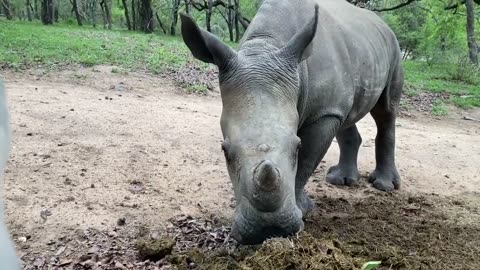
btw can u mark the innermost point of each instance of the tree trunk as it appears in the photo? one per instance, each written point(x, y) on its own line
point(102, 7)
point(35, 5)
point(208, 18)
point(472, 45)
point(146, 16)
point(173, 27)
point(107, 15)
point(6, 9)
point(77, 14)
point(127, 17)
point(47, 12)
point(55, 11)
point(187, 6)
point(230, 20)
point(134, 16)
point(160, 23)
point(237, 27)
point(94, 12)
point(29, 11)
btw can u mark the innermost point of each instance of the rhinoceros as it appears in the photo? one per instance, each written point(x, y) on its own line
point(304, 73)
point(8, 259)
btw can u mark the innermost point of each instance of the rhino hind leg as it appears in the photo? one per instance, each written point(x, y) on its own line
point(346, 171)
point(385, 177)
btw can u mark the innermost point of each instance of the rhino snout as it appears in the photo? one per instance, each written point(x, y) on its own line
point(254, 228)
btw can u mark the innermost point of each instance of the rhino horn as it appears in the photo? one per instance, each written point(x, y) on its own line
point(267, 176)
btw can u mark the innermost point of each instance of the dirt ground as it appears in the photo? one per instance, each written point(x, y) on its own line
point(108, 152)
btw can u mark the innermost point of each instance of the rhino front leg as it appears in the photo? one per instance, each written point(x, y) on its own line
point(316, 140)
point(346, 172)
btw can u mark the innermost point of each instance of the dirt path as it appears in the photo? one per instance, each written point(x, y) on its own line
point(91, 146)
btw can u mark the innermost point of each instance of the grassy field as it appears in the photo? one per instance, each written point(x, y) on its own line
point(24, 45)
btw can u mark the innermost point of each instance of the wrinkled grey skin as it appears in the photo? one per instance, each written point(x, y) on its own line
point(303, 75)
point(8, 259)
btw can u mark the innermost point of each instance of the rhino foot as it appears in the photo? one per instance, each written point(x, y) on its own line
point(341, 176)
point(385, 180)
point(305, 204)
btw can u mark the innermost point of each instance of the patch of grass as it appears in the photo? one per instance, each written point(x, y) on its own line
point(456, 79)
point(439, 109)
point(197, 89)
point(25, 44)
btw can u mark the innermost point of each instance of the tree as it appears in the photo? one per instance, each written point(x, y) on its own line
point(7, 9)
point(146, 16)
point(472, 45)
point(75, 10)
point(134, 16)
point(107, 13)
point(175, 8)
point(127, 17)
point(47, 12)
point(29, 8)
point(93, 12)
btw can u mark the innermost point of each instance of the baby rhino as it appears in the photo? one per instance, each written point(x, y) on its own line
point(305, 72)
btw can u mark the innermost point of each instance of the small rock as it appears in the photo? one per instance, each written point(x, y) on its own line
point(22, 239)
point(121, 221)
point(92, 186)
point(29, 134)
point(112, 234)
point(447, 176)
point(120, 265)
point(89, 206)
point(45, 213)
point(72, 110)
point(94, 250)
point(67, 181)
point(64, 262)
point(70, 199)
point(60, 251)
point(39, 262)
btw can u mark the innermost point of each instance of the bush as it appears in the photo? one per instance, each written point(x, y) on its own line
point(464, 71)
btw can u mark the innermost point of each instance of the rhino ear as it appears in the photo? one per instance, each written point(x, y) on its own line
point(203, 45)
point(299, 47)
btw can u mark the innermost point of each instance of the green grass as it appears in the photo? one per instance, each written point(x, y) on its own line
point(25, 44)
point(439, 109)
point(443, 78)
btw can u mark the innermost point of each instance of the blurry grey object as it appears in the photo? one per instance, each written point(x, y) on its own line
point(8, 259)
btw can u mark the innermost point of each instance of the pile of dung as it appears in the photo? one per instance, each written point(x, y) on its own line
point(299, 252)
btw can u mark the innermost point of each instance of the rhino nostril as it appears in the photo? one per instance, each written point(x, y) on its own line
point(267, 176)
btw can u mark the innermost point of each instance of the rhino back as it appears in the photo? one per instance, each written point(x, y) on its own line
point(354, 53)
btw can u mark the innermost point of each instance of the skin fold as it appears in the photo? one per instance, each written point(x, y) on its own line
point(290, 89)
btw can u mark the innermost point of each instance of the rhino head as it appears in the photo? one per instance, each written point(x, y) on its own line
point(260, 87)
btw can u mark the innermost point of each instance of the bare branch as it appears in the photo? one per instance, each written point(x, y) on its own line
point(394, 7)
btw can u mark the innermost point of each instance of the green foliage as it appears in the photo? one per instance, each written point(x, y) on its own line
point(465, 72)
point(419, 76)
point(439, 109)
point(27, 44)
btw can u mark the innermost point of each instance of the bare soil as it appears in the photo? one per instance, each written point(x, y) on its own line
point(102, 159)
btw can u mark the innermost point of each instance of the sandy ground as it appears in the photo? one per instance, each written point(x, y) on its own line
point(91, 146)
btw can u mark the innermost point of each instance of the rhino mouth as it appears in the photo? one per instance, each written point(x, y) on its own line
point(251, 227)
